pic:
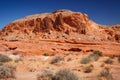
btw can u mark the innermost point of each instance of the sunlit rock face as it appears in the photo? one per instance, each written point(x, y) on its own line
point(60, 24)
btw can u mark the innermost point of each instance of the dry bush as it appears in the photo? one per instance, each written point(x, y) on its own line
point(109, 61)
point(119, 59)
point(85, 60)
point(69, 59)
point(98, 52)
point(105, 74)
point(4, 58)
point(46, 54)
point(57, 59)
point(92, 57)
point(6, 72)
point(88, 68)
point(95, 55)
point(65, 74)
point(15, 53)
point(45, 75)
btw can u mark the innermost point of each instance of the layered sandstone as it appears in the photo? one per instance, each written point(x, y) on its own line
point(60, 24)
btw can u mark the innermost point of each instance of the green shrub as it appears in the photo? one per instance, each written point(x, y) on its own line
point(85, 60)
point(57, 59)
point(65, 74)
point(108, 61)
point(45, 75)
point(4, 58)
point(6, 72)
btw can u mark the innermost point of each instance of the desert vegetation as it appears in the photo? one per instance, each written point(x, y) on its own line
point(62, 74)
point(57, 59)
point(65, 74)
point(61, 45)
point(105, 74)
point(6, 72)
point(94, 56)
point(4, 58)
point(45, 75)
point(109, 61)
point(61, 67)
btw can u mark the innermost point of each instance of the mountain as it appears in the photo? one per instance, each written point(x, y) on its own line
point(60, 24)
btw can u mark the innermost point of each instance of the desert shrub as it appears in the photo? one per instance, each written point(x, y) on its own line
point(45, 75)
point(98, 52)
point(112, 57)
point(92, 57)
point(69, 59)
point(46, 54)
point(85, 60)
point(4, 58)
point(102, 65)
point(57, 59)
point(1, 63)
point(18, 60)
point(105, 74)
point(119, 59)
point(6, 72)
point(88, 68)
point(65, 74)
point(15, 57)
point(95, 55)
point(15, 53)
point(108, 61)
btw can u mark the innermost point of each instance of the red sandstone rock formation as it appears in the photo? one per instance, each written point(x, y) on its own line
point(61, 24)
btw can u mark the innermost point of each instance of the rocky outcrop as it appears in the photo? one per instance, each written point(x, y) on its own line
point(63, 24)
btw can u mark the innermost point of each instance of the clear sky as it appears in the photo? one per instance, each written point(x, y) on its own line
point(105, 12)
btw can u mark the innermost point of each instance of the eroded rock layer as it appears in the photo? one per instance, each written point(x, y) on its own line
point(60, 24)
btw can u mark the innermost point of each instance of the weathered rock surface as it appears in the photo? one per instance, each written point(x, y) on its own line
point(61, 24)
point(60, 32)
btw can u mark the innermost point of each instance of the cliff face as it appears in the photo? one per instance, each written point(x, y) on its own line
point(61, 24)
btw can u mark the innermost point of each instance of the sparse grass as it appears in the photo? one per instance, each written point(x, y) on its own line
point(57, 59)
point(4, 58)
point(109, 61)
point(45, 75)
point(105, 74)
point(6, 72)
point(65, 74)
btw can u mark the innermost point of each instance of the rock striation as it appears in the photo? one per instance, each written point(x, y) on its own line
point(60, 24)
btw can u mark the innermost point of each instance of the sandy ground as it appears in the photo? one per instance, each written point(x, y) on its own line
point(37, 55)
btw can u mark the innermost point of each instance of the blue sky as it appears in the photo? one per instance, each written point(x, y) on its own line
point(105, 12)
